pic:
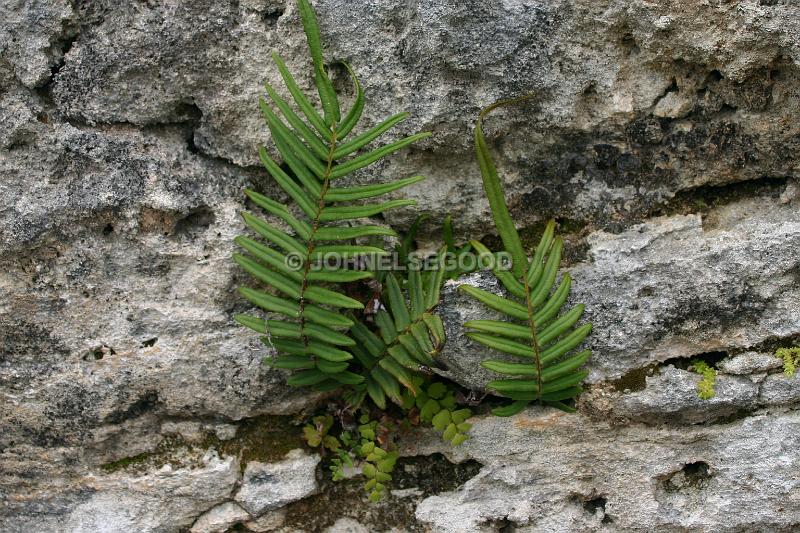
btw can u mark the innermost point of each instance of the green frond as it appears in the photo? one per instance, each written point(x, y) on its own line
point(269, 256)
point(311, 138)
point(281, 211)
point(327, 95)
point(550, 370)
point(305, 299)
point(300, 99)
point(498, 303)
point(347, 233)
point(360, 141)
point(273, 234)
point(330, 214)
point(363, 160)
point(362, 192)
point(409, 334)
point(494, 193)
point(354, 114)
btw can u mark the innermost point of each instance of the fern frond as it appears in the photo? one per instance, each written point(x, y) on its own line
point(305, 294)
point(544, 341)
point(409, 337)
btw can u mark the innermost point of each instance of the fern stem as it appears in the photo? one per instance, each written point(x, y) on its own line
point(534, 339)
point(314, 228)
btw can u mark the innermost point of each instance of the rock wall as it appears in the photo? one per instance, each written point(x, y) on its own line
point(663, 136)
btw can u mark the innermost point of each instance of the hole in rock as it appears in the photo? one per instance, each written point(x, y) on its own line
point(710, 358)
point(195, 222)
point(413, 479)
point(271, 15)
point(693, 476)
point(98, 353)
point(595, 504)
point(149, 342)
point(148, 401)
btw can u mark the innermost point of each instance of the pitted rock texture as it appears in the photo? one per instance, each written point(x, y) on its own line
point(633, 102)
point(269, 486)
point(556, 472)
point(129, 129)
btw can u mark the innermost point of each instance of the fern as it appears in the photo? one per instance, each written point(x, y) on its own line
point(791, 358)
point(551, 372)
point(705, 387)
point(457, 254)
point(409, 337)
point(310, 335)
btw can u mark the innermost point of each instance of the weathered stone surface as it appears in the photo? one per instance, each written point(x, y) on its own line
point(271, 521)
point(30, 37)
point(127, 131)
point(671, 396)
point(347, 525)
point(750, 363)
point(220, 518)
point(779, 389)
point(461, 356)
point(122, 249)
point(556, 472)
point(122, 504)
point(671, 287)
point(268, 486)
point(614, 128)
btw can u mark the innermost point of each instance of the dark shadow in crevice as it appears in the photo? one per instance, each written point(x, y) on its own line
point(636, 380)
point(419, 476)
point(195, 222)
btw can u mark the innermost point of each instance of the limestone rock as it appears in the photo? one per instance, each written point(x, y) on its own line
point(671, 396)
point(779, 389)
point(220, 518)
point(602, 139)
point(749, 363)
point(129, 129)
point(29, 37)
point(267, 486)
point(557, 472)
point(270, 521)
point(123, 504)
point(347, 525)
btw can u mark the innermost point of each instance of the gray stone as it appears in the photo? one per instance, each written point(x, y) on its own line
point(220, 518)
point(779, 389)
point(674, 105)
point(30, 35)
point(347, 525)
point(123, 246)
point(461, 356)
point(122, 503)
point(592, 142)
point(270, 521)
point(267, 486)
point(749, 363)
point(552, 471)
point(672, 396)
